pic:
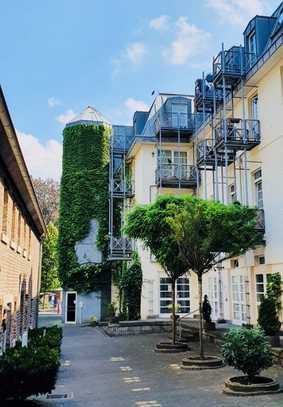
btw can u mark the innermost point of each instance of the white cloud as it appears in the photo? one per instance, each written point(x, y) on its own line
point(135, 52)
point(189, 42)
point(66, 117)
point(53, 102)
point(159, 23)
point(42, 159)
point(237, 11)
point(133, 105)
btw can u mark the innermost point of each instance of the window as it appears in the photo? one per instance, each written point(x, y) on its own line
point(252, 47)
point(258, 189)
point(5, 211)
point(232, 193)
point(239, 298)
point(179, 115)
point(173, 163)
point(234, 263)
point(261, 281)
point(19, 228)
point(14, 213)
point(182, 295)
point(259, 260)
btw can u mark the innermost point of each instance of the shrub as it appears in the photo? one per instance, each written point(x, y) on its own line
point(267, 316)
point(32, 370)
point(247, 350)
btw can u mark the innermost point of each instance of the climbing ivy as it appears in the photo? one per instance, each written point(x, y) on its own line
point(130, 284)
point(83, 197)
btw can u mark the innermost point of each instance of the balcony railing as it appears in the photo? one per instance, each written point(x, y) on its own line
point(176, 173)
point(123, 187)
point(205, 150)
point(175, 121)
point(235, 62)
point(238, 132)
point(120, 247)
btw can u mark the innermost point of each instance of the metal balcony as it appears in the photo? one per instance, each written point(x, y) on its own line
point(237, 134)
point(206, 158)
point(120, 248)
point(122, 188)
point(175, 124)
point(176, 176)
point(233, 64)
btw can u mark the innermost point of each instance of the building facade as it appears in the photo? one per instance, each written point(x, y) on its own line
point(21, 230)
point(222, 143)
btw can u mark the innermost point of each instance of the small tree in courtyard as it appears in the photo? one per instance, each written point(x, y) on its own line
point(208, 232)
point(149, 223)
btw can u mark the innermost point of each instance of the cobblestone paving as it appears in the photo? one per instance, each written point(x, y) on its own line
point(123, 372)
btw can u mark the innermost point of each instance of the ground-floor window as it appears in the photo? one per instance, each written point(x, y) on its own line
point(182, 295)
point(261, 281)
point(239, 298)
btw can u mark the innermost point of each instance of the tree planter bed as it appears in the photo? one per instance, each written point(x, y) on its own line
point(239, 386)
point(169, 347)
point(195, 363)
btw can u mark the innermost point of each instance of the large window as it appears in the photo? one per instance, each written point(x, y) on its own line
point(179, 115)
point(261, 281)
point(258, 189)
point(182, 295)
point(173, 163)
point(252, 47)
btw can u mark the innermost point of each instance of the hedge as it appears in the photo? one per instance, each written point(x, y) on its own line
point(32, 370)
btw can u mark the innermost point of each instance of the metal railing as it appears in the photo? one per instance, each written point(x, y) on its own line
point(121, 187)
point(235, 62)
point(176, 172)
point(120, 245)
point(175, 121)
point(235, 130)
point(204, 149)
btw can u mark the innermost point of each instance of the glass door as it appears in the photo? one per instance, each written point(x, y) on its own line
point(180, 164)
point(239, 299)
point(182, 296)
point(179, 115)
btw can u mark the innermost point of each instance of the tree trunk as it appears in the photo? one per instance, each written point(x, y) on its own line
point(201, 353)
point(173, 312)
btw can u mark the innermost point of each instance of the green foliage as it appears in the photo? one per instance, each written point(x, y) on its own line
point(268, 317)
point(31, 370)
point(209, 231)
point(49, 273)
point(247, 350)
point(274, 289)
point(84, 196)
point(130, 283)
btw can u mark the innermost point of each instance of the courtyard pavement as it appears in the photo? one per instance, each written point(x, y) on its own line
point(125, 371)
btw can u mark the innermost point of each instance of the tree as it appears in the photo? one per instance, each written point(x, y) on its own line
point(49, 274)
point(268, 317)
point(208, 232)
point(149, 223)
point(47, 192)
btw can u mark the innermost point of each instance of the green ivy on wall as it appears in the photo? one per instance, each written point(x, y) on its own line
point(83, 197)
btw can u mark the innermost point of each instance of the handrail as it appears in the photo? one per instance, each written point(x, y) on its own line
point(189, 313)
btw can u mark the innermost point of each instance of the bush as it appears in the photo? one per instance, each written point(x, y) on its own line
point(268, 317)
point(247, 350)
point(32, 370)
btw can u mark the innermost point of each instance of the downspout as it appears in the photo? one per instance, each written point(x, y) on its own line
point(39, 278)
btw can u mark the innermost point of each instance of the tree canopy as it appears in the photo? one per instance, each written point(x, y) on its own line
point(49, 273)
point(47, 193)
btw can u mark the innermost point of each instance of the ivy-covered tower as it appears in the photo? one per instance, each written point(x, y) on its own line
point(83, 222)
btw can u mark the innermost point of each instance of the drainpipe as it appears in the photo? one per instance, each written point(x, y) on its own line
point(39, 279)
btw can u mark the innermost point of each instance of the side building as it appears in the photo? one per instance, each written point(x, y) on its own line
point(21, 230)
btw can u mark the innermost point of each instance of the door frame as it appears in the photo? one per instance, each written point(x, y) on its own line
point(66, 307)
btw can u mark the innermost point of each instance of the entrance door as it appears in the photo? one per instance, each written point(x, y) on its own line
point(71, 301)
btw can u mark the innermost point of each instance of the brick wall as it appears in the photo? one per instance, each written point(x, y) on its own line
point(19, 269)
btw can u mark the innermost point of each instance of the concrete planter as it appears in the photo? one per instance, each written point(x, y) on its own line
point(239, 386)
point(169, 347)
point(195, 363)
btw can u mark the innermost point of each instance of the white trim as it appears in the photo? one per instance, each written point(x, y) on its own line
point(66, 307)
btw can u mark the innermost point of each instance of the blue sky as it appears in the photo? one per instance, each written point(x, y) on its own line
point(58, 56)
